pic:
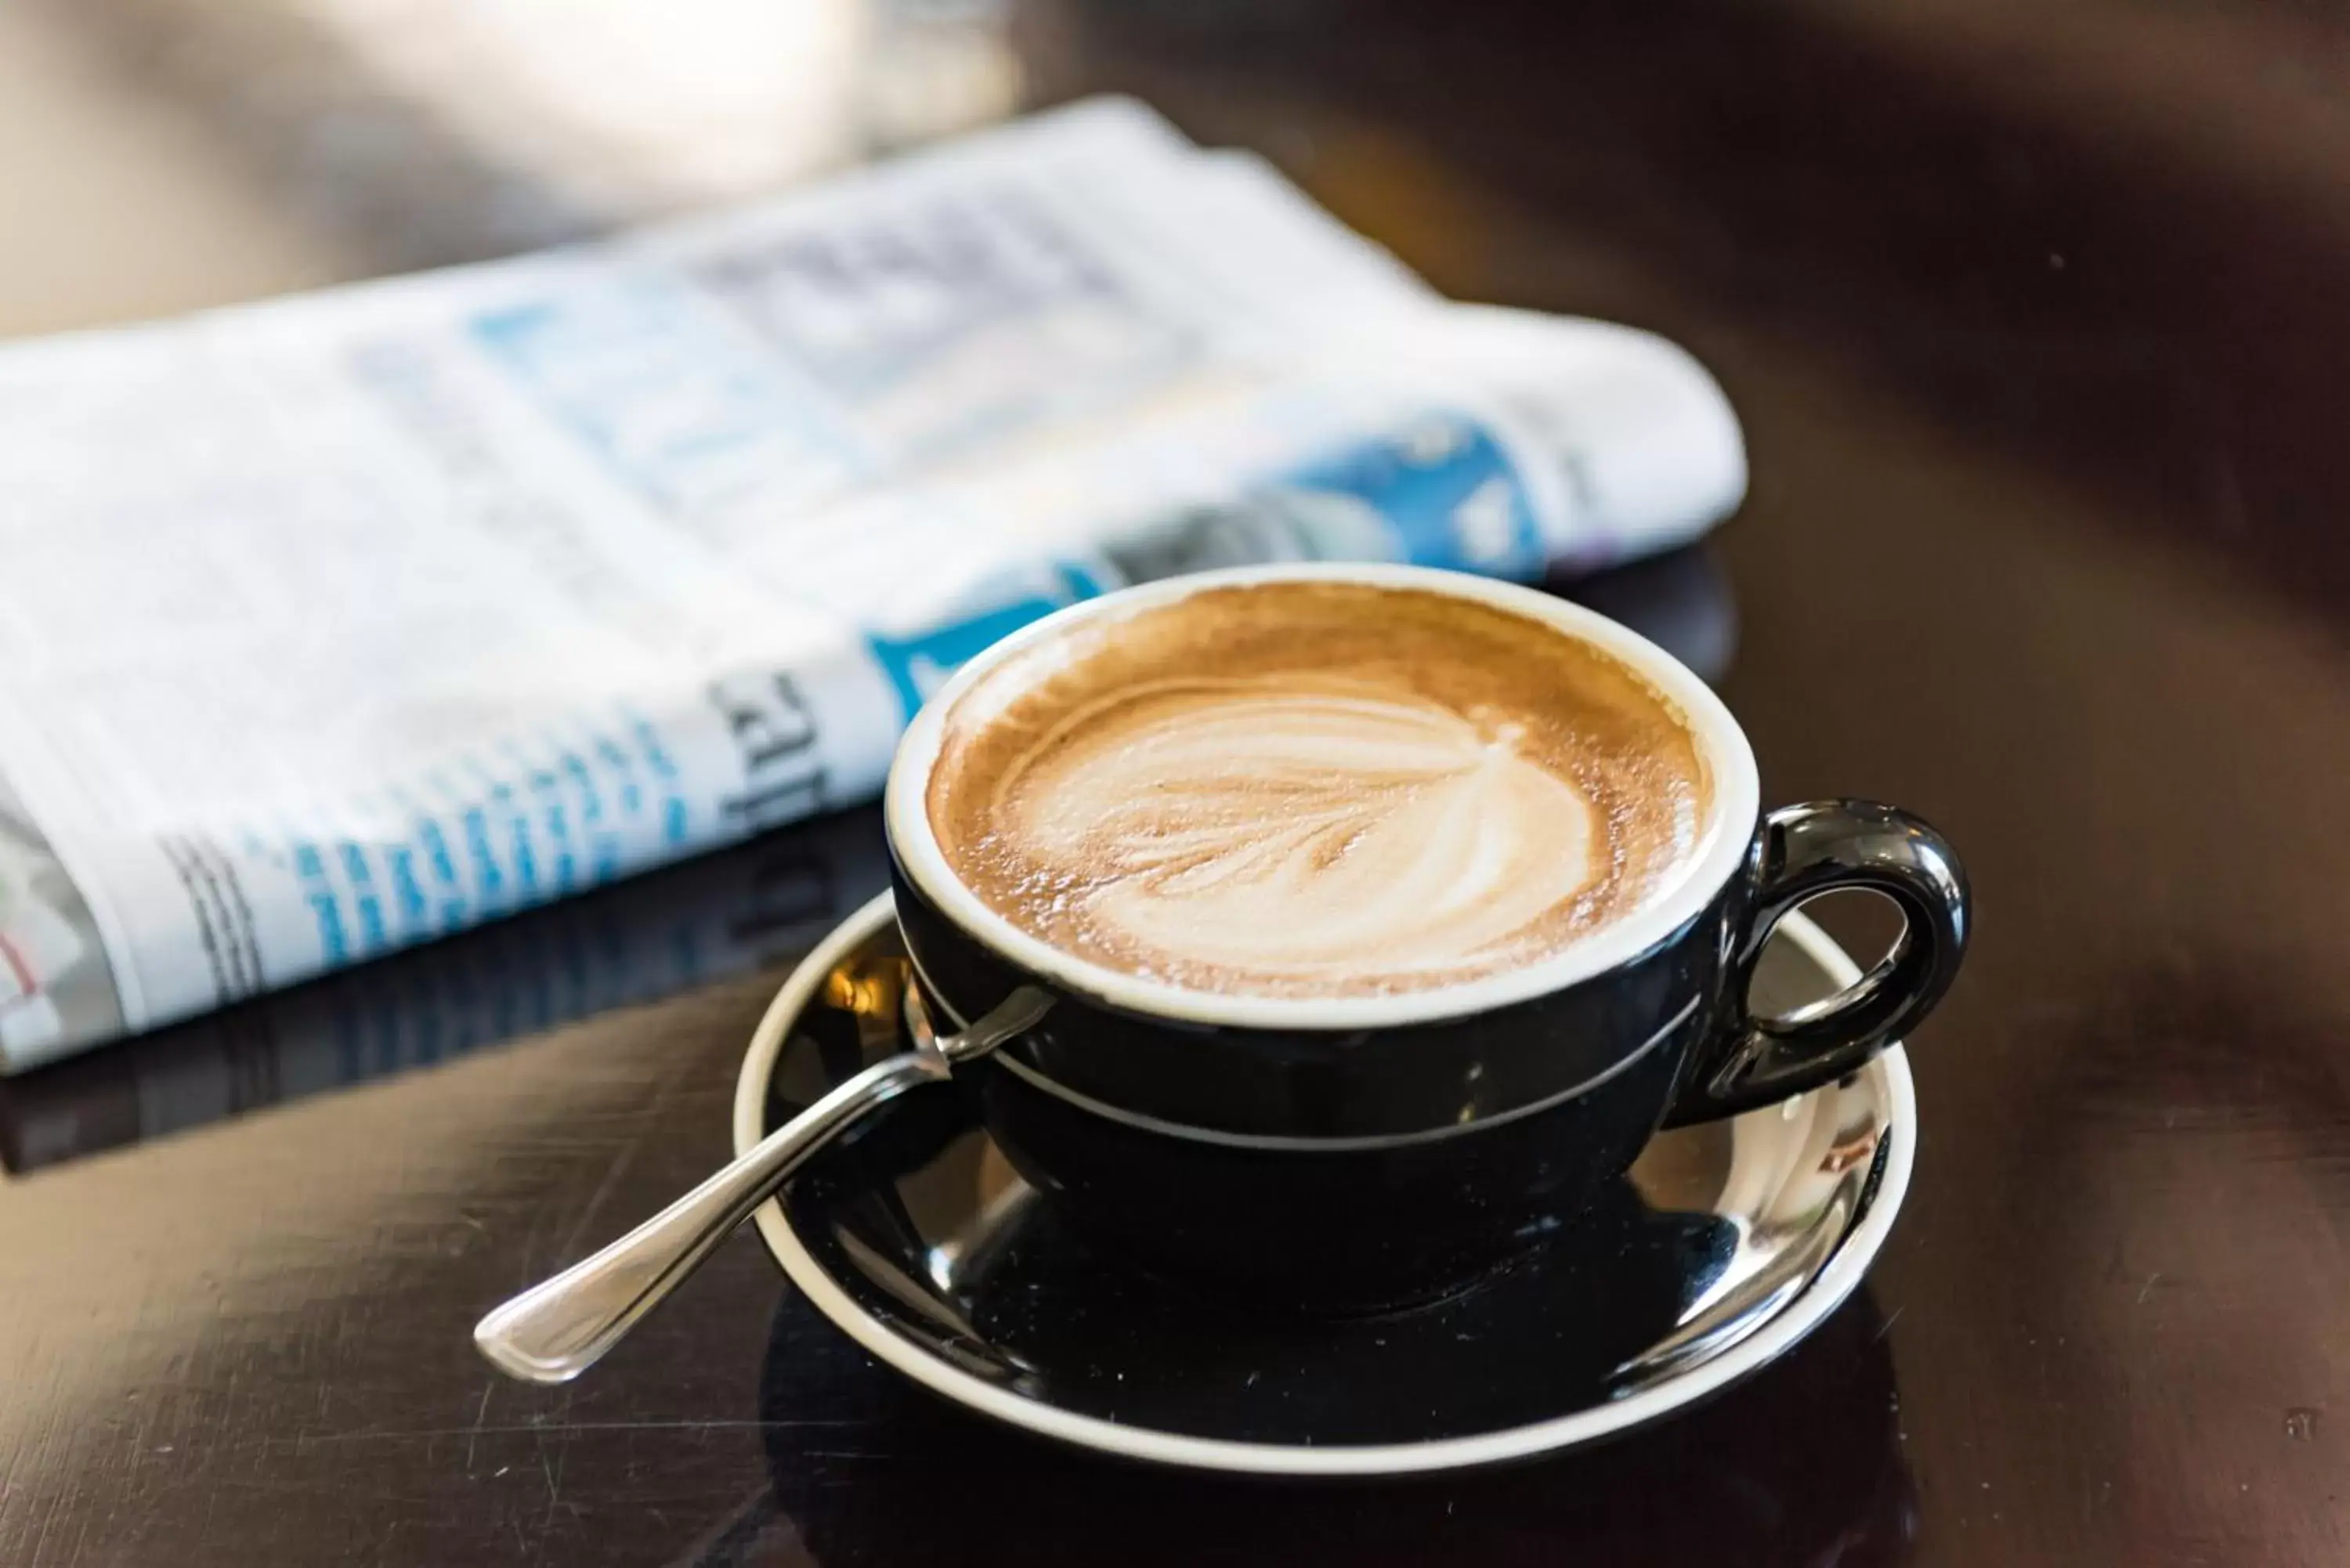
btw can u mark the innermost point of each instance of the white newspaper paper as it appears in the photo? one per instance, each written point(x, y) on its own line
point(344, 622)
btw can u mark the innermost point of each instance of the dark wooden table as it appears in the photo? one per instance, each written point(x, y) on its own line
point(2035, 316)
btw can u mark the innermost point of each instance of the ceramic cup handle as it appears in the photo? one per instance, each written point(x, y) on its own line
point(1805, 851)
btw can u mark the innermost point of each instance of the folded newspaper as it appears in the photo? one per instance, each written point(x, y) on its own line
point(342, 623)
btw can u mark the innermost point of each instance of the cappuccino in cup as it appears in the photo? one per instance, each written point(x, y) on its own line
point(1317, 788)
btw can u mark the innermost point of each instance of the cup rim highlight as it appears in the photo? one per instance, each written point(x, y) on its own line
point(1735, 808)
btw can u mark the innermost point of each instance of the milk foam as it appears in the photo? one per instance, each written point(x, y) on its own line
point(1306, 827)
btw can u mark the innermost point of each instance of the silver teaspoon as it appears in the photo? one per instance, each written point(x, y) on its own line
point(558, 1328)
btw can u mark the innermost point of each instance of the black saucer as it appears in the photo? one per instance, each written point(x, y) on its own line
point(1726, 1245)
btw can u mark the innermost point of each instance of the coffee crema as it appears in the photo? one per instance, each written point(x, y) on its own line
point(1316, 789)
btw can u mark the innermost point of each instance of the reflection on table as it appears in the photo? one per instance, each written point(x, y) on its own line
point(722, 915)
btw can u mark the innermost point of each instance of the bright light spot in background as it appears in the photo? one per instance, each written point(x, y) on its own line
point(627, 107)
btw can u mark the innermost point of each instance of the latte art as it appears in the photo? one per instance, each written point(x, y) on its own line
point(1316, 788)
point(1307, 828)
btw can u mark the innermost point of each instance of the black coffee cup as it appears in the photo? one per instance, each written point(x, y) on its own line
point(1359, 1152)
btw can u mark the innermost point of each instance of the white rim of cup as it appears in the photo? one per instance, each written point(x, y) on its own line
point(1722, 850)
point(1846, 1267)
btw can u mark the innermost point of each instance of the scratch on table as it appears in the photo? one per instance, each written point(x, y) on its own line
point(554, 1482)
point(553, 1468)
point(474, 1438)
point(621, 1161)
point(2151, 1281)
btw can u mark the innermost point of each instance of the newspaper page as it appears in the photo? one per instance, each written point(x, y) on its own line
point(342, 623)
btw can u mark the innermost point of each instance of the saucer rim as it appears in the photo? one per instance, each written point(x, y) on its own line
point(1836, 1282)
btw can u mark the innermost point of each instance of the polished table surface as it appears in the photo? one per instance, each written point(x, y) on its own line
point(2035, 320)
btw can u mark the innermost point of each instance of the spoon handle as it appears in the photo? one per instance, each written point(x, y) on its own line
point(558, 1329)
